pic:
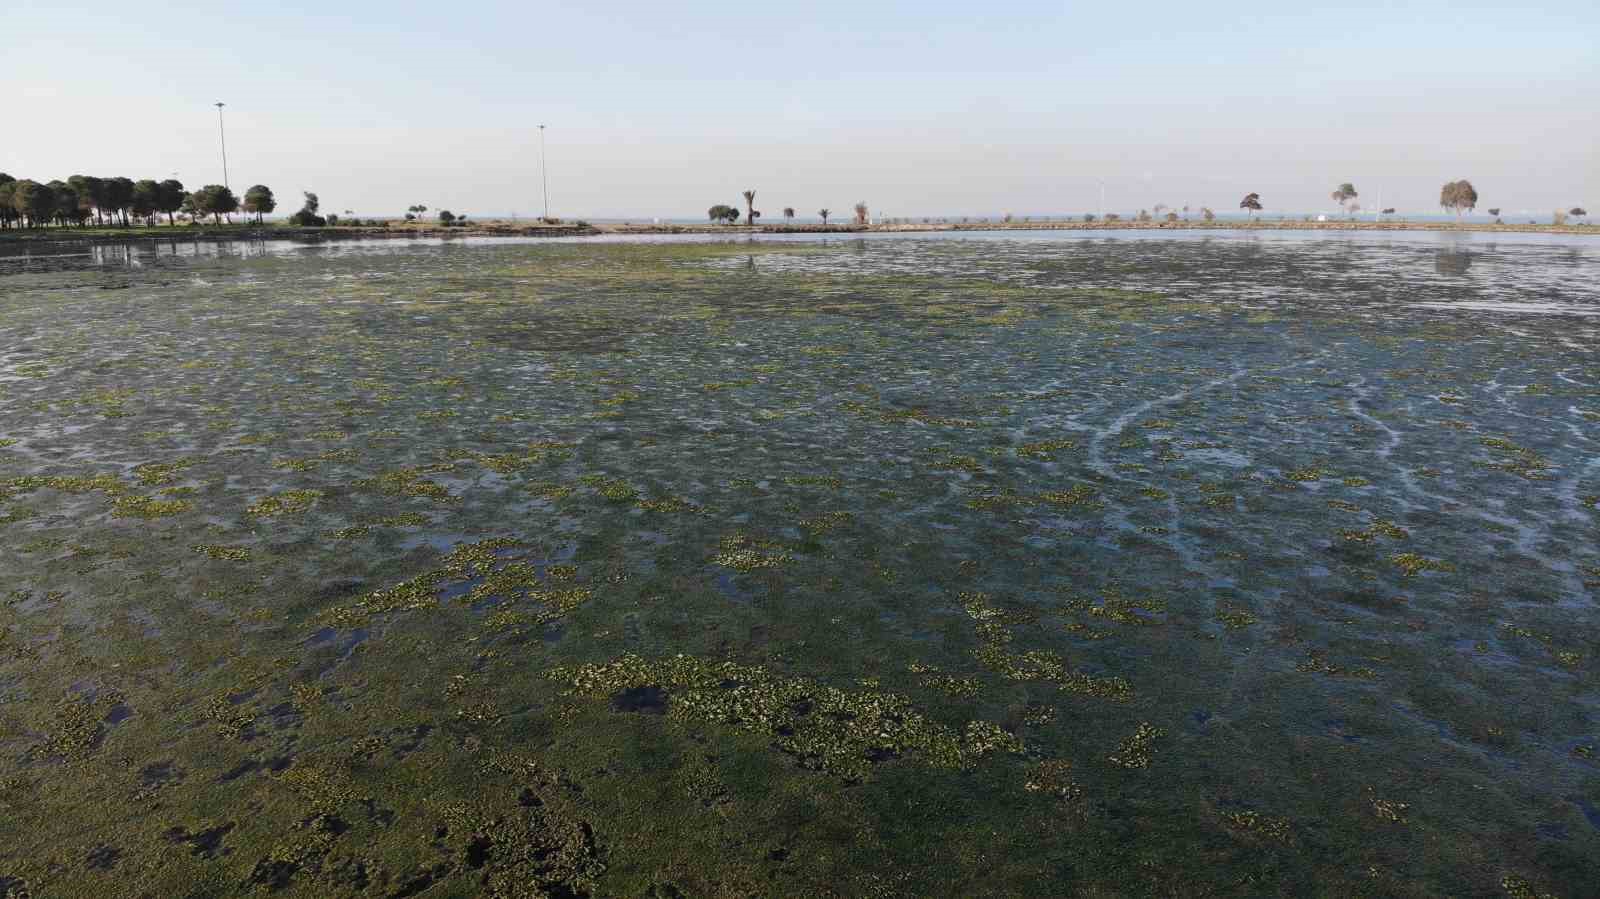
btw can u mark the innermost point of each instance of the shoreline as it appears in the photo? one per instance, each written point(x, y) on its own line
point(284, 232)
point(1488, 227)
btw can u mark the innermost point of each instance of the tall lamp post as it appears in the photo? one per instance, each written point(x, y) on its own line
point(544, 175)
point(223, 136)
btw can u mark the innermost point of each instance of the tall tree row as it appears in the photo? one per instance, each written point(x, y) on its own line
point(84, 200)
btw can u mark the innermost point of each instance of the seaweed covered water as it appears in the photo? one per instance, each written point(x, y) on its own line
point(1034, 565)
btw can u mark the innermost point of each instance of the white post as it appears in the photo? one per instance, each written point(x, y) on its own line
point(224, 137)
point(544, 175)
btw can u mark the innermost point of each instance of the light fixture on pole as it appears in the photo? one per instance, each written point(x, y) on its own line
point(223, 136)
point(544, 175)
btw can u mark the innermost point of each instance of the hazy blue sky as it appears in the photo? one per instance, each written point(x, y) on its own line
point(919, 108)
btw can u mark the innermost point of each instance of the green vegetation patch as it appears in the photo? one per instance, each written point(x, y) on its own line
point(147, 507)
point(290, 502)
point(843, 732)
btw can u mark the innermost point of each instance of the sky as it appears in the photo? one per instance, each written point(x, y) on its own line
point(928, 108)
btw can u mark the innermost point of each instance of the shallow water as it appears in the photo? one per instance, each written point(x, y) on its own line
point(1028, 563)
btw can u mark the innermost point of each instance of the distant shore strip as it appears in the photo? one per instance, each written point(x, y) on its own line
point(505, 229)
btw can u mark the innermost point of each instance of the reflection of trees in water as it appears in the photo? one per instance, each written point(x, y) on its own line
point(1452, 262)
point(135, 254)
point(1345, 258)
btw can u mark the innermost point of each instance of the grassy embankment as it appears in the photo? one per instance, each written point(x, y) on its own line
point(1221, 225)
point(281, 230)
point(505, 228)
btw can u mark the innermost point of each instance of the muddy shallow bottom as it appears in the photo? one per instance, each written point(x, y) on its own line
point(893, 566)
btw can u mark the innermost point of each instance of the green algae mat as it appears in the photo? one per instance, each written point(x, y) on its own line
point(1200, 566)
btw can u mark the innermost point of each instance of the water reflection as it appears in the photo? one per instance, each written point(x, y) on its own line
point(59, 256)
point(1344, 248)
point(1452, 262)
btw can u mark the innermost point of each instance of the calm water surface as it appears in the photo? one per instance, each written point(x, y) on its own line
point(953, 564)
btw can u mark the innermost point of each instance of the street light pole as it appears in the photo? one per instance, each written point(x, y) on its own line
point(544, 174)
point(223, 135)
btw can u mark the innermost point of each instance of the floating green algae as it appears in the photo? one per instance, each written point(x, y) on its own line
point(864, 567)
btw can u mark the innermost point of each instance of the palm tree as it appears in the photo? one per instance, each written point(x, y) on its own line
point(750, 207)
point(824, 213)
point(788, 215)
